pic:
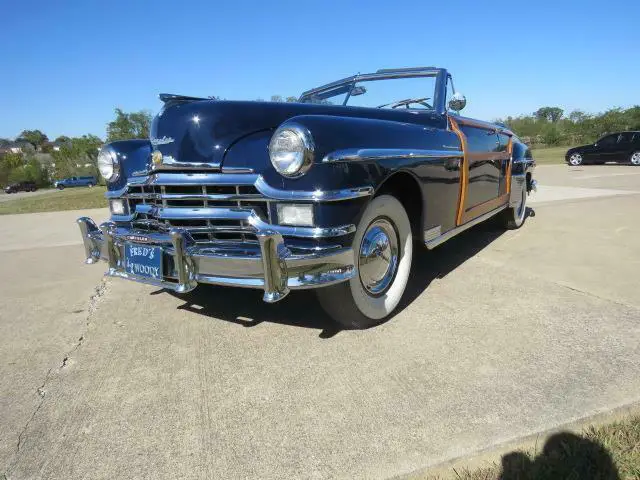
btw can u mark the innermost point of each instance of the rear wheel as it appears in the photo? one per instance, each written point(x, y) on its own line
point(383, 249)
point(575, 159)
point(89, 185)
point(514, 217)
point(635, 158)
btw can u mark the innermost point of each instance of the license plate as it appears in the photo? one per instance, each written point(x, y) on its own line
point(143, 260)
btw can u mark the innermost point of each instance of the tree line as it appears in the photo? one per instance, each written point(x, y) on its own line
point(548, 126)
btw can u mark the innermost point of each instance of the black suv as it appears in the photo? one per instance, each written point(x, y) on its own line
point(21, 187)
point(615, 147)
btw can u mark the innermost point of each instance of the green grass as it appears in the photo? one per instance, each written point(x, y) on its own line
point(606, 452)
point(549, 156)
point(56, 200)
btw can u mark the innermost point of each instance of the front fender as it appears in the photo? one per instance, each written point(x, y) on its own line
point(134, 157)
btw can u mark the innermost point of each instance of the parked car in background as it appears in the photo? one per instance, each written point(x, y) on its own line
point(21, 187)
point(76, 182)
point(328, 193)
point(615, 147)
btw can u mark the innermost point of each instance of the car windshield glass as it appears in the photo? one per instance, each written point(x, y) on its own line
point(398, 93)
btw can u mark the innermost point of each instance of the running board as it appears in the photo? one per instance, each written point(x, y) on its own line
point(454, 231)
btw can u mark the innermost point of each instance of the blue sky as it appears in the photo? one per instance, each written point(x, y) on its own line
point(66, 65)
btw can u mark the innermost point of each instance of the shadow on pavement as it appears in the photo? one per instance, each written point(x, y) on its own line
point(301, 309)
point(564, 456)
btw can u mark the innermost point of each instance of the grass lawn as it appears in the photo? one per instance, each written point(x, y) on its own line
point(607, 452)
point(56, 200)
point(549, 156)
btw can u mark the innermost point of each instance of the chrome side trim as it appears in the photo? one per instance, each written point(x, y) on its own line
point(432, 233)
point(454, 231)
point(311, 196)
point(377, 154)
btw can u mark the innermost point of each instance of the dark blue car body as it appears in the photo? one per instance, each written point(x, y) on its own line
point(204, 185)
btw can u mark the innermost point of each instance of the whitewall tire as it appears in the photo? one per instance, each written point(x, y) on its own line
point(383, 251)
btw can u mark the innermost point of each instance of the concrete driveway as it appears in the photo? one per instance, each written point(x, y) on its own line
point(502, 335)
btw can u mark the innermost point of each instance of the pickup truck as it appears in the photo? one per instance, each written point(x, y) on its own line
point(75, 182)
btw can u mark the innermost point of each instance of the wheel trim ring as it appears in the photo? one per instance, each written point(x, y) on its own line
point(522, 208)
point(378, 257)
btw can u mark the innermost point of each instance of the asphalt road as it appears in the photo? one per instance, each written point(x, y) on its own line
point(502, 335)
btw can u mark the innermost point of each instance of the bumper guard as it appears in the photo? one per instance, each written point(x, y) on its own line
point(270, 265)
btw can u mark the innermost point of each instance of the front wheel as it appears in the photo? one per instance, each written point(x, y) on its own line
point(60, 187)
point(635, 158)
point(383, 249)
point(576, 159)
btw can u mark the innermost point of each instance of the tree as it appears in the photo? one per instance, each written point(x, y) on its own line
point(62, 139)
point(73, 157)
point(292, 99)
point(276, 98)
point(550, 114)
point(34, 137)
point(129, 125)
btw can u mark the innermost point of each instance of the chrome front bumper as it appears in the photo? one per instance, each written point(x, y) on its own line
point(270, 265)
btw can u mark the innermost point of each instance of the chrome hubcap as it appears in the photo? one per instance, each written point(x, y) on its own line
point(575, 159)
point(378, 257)
point(635, 158)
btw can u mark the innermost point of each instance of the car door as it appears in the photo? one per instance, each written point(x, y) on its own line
point(485, 165)
point(605, 149)
point(623, 147)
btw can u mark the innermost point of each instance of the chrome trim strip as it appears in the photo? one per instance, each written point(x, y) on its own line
point(169, 164)
point(377, 154)
point(379, 75)
point(272, 193)
point(311, 196)
point(245, 215)
point(253, 197)
point(454, 231)
point(237, 170)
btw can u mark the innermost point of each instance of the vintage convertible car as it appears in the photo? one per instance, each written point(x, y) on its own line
point(330, 192)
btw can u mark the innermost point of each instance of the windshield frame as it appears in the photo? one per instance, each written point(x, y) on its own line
point(345, 84)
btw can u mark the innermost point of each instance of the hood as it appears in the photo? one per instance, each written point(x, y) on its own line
point(189, 130)
point(201, 131)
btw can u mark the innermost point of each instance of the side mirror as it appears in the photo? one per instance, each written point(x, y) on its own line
point(457, 102)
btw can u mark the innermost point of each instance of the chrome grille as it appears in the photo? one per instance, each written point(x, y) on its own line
point(193, 197)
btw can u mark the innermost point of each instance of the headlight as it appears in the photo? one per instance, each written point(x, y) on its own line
point(108, 163)
point(291, 150)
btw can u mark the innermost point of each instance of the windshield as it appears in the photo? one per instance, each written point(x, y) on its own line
point(397, 93)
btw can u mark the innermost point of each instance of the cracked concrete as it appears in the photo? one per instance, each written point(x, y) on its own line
point(502, 336)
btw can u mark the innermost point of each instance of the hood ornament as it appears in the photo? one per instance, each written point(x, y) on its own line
point(161, 141)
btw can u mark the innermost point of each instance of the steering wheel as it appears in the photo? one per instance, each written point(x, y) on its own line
point(407, 102)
